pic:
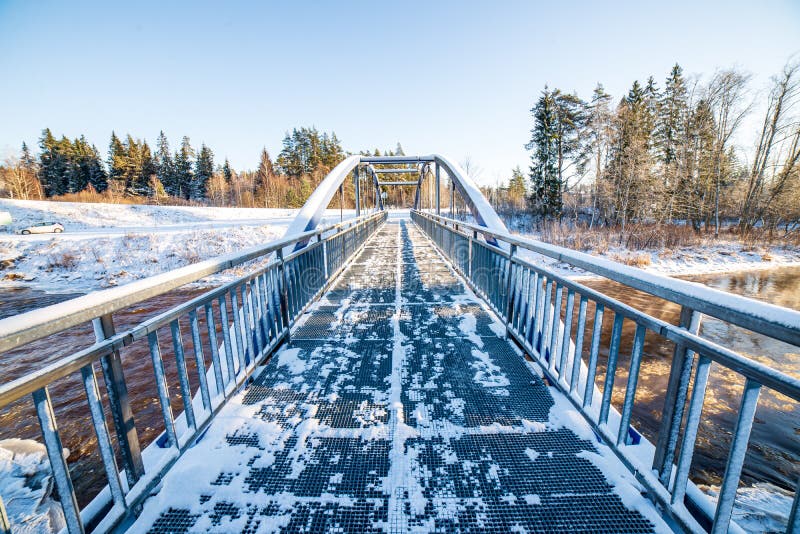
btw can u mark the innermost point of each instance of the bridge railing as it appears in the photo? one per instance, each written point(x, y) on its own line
point(546, 313)
point(237, 324)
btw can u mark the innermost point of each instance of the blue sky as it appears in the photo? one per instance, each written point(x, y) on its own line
point(457, 78)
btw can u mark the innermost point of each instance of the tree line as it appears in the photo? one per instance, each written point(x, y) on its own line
point(74, 169)
point(668, 155)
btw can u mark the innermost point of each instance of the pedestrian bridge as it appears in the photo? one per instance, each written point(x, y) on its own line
point(412, 373)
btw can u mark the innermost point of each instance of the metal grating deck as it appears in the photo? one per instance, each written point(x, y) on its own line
point(398, 407)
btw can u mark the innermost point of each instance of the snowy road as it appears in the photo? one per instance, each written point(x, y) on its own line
point(399, 406)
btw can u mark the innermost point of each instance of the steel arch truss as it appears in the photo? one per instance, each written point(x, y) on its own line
point(311, 213)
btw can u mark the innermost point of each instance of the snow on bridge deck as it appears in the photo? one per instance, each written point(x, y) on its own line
point(398, 406)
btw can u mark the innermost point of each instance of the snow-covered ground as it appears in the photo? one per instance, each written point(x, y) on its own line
point(722, 257)
point(104, 245)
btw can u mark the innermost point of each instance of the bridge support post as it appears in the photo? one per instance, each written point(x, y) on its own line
point(284, 294)
point(452, 198)
point(509, 296)
point(118, 400)
point(358, 191)
point(5, 522)
point(438, 200)
point(675, 399)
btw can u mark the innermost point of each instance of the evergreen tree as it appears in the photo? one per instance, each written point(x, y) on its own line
point(27, 159)
point(557, 140)
point(117, 163)
point(546, 190)
point(265, 178)
point(227, 172)
point(165, 168)
point(143, 170)
point(52, 165)
point(204, 169)
point(183, 169)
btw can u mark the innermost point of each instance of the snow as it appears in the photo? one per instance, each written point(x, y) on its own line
point(761, 507)
point(28, 487)
point(105, 245)
point(712, 258)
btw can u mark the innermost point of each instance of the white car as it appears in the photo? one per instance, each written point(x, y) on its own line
point(43, 228)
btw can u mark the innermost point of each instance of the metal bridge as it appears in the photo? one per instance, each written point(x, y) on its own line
point(396, 374)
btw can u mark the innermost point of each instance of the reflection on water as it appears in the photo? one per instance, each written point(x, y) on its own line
point(69, 400)
point(773, 455)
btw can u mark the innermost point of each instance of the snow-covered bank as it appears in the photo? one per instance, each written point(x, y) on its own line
point(84, 215)
point(106, 245)
point(28, 487)
point(725, 257)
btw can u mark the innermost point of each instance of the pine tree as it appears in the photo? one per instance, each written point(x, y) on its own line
point(143, 171)
point(52, 165)
point(546, 191)
point(204, 169)
point(671, 136)
point(165, 168)
point(227, 172)
point(117, 163)
point(183, 169)
point(557, 141)
point(265, 176)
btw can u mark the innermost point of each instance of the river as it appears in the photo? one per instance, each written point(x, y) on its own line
point(773, 455)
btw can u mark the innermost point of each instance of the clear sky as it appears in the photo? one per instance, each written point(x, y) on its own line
point(456, 77)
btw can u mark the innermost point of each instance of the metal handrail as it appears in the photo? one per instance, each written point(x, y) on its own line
point(529, 298)
point(255, 312)
point(774, 321)
point(26, 327)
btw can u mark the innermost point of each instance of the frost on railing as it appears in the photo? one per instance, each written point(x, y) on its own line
point(200, 353)
point(560, 323)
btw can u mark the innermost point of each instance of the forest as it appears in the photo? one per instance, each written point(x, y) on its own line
point(659, 156)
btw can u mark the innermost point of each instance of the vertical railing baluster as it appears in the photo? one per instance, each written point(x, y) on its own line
point(565, 342)
point(199, 359)
point(509, 296)
point(611, 367)
point(58, 465)
point(249, 325)
point(5, 521)
point(162, 388)
point(690, 434)
point(212, 342)
point(675, 398)
point(237, 329)
point(733, 468)
point(255, 307)
point(226, 336)
point(594, 351)
point(183, 377)
point(534, 323)
point(633, 379)
point(577, 355)
point(545, 316)
point(793, 526)
point(101, 432)
point(284, 298)
point(555, 321)
point(119, 403)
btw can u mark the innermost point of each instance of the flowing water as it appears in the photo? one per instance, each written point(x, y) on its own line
point(773, 456)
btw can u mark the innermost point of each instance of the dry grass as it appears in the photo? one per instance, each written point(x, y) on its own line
point(656, 237)
point(66, 260)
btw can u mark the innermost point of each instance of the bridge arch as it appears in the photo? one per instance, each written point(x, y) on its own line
point(311, 213)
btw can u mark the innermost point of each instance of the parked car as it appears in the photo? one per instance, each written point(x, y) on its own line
point(43, 228)
point(5, 221)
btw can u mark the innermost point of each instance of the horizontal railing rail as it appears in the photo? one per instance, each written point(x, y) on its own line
point(232, 329)
point(531, 299)
point(768, 319)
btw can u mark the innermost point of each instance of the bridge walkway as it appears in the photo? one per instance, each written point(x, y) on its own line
point(398, 406)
